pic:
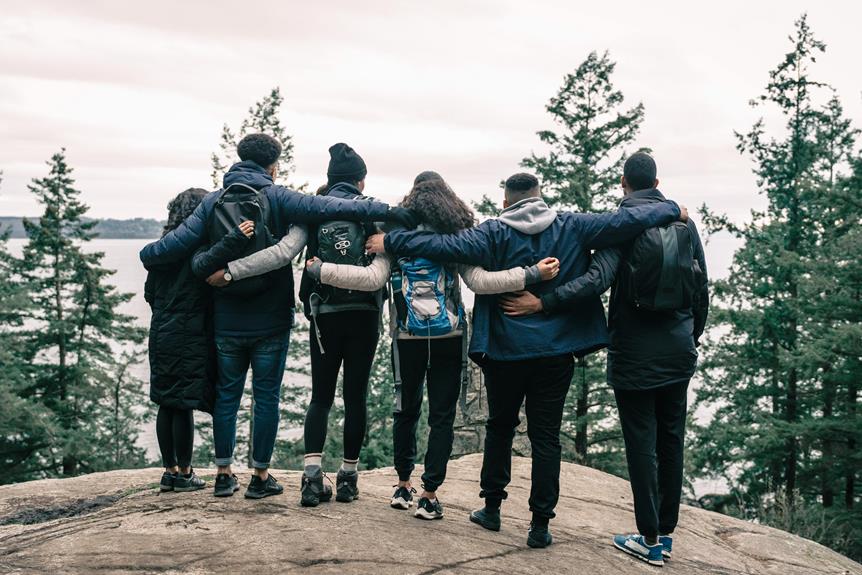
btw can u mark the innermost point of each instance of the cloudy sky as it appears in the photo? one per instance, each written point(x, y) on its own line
point(137, 92)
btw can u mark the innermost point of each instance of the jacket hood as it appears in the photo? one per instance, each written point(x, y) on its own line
point(343, 190)
point(530, 216)
point(640, 197)
point(248, 173)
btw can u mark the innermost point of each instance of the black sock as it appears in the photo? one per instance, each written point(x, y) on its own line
point(540, 521)
point(493, 504)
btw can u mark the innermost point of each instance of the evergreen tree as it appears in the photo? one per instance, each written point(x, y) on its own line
point(781, 380)
point(73, 331)
point(263, 116)
point(581, 171)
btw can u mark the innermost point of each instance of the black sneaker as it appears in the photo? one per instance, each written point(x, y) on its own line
point(225, 485)
point(427, 509)
point(167, 482)
point(487, 518)
point(539, 537)
point(314, 491)
point(258, 488)
point(346, 489)
point(190, 482)
point(402, 498)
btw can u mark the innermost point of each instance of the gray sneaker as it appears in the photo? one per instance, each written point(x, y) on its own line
point(190, 482)
point(167, 482)
point(346, 489)
point(314, 491)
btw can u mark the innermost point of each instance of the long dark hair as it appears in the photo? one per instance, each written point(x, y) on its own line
point(182, 207)
point(437, 204)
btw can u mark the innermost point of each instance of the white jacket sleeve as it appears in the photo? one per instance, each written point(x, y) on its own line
point(481, 281)
point(273, 257)
point(361, 278)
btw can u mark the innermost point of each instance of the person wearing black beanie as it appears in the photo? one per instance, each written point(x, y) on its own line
point(345, 165)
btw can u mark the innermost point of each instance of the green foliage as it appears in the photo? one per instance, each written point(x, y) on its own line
point(263, 116)
point(782, 365)
point(63, 373)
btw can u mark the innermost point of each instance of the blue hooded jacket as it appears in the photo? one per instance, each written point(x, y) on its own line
point(272, 311)
point(524, 233)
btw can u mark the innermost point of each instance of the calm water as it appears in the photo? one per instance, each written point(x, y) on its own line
point(122, 256)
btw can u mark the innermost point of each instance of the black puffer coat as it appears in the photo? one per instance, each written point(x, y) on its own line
point(182, 348)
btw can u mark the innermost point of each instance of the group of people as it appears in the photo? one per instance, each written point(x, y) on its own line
point(221, 288)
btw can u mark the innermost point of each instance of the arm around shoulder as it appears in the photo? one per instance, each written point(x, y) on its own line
point(273, 257)
point(362, 278)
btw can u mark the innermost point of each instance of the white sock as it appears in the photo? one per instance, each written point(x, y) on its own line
point(349, 465)
point(311, 459)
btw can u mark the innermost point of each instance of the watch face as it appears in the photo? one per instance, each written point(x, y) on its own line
point(228, 276)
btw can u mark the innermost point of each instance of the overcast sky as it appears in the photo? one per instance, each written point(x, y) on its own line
point(137, 92)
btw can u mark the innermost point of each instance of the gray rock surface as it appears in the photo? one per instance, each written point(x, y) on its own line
point(117, 522)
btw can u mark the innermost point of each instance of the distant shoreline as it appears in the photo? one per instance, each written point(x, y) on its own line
point(109, 228)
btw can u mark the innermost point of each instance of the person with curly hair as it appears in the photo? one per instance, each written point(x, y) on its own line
point(417, 357)
point(182, 346)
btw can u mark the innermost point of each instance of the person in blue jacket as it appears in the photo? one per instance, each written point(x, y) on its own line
point(531, 357)
point(254, 331)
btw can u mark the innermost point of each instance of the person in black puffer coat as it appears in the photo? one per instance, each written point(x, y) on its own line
point(181, 347)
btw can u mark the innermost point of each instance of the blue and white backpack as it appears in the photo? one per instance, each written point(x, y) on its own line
point(427, 298)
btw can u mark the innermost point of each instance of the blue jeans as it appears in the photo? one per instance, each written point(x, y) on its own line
point(266, 356)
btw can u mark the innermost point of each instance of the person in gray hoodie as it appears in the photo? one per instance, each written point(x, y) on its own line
point(529, 358)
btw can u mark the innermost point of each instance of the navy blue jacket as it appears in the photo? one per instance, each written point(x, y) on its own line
point(647, 349)
point(496, 246)
point(272, 311)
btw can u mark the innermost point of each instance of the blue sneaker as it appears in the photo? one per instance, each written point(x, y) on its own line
point(636, 546)
point(667, 545)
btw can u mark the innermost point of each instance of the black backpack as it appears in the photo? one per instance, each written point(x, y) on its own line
point(343, 242)
point(237, 203)
point(661, 273)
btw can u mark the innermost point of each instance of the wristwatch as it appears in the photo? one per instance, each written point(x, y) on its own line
point(228, 277)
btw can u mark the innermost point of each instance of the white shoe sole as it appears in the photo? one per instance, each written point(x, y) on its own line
point(628, 551)
point(400, 503)
point(422, 514)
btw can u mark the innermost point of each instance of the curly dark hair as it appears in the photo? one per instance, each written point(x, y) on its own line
point(182, 207)
point(262, 149)
point(438, 206)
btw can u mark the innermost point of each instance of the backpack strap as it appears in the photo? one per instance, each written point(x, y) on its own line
point(396, 359)
point(465, 378)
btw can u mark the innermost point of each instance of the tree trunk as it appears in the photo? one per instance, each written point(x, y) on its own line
point(850, 473)
point(827, 489)
point(581, 409)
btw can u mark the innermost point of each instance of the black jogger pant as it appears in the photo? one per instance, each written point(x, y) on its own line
point(653, 423)
point(444, 388)
point(349, 338)
point(544, 383)
point(175, 430)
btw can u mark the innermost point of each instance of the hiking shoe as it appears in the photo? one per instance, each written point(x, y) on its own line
point(314, 491)
point(346, 489)
point(636, 546)
point(190, 482)
point(427, 509)
point(225, 485)
point(402, 498)
point(258, 488)
point(487, 518)
point(167, 482)
point(667, 545)
point(538, 537)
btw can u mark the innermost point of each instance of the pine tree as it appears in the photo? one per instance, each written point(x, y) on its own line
point(263, 116)
point(781, 380)
point(581, 170)
point(74, 331)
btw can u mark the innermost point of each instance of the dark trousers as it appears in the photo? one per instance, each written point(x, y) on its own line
point(175, 429)
point(349, 338)
point(653, 423)
point(543, 383)
point(444, 387)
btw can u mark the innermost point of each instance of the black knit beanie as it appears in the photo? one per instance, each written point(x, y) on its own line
point(345, 163)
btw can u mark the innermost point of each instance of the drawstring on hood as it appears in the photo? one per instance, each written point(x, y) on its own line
point(530, 216)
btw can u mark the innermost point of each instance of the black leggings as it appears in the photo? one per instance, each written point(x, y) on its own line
point(175, 429)
point(349, 337)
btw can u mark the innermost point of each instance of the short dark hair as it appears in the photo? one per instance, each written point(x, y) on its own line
point(262, 149)
point(518, 186)
point(640, 171)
